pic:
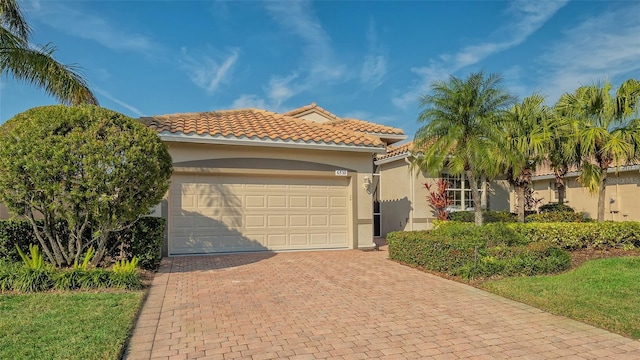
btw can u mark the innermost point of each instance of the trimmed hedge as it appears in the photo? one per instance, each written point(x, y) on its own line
point(573, 236)
point(487, 216)
point(555, 207)
point(558, 216)
point(143, 240)
point(469, 251)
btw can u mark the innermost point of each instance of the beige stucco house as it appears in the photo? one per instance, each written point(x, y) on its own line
point(251, 180)
point(622, 192)
point(402, 196)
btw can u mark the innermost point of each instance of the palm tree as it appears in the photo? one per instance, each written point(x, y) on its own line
point(37, 65)
point(526, 139)
point(608, 131)
point(564, 152)
point(462, 120)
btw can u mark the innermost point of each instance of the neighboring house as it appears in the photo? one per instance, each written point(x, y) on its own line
point(251, 180)
point(403, 198)
point(622, 192)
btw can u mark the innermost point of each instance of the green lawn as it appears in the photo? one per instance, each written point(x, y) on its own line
point(74, 325)
point(604, 293)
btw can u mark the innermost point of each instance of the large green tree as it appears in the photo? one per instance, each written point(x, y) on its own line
point(527, 136)
point(607, 133)
point(36, 65)
point(90, 169)
point(462, 119)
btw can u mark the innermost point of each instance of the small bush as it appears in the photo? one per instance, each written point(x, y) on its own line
point(559, 216)
point(125, 276)
point(78, 278)
point(487, 216)
point(143, 240)
point(555, 207)
point(33, 280)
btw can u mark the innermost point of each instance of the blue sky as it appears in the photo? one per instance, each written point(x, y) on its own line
point(364, 59)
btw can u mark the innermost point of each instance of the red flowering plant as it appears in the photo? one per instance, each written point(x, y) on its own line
point(438, 198)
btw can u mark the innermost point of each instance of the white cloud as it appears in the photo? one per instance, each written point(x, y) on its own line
point(248, 101)
point(209, 71)
point(606, 46)
point(374, 67)
point(317, 65)
point(526, 18)
point(298, 19)
point(110, 97)
point(280, 89)
point(88, 26)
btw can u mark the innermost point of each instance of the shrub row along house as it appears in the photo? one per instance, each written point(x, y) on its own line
point(255, 180)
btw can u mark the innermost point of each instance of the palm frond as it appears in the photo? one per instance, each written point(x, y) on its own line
point(12, 19)
point(37, 66)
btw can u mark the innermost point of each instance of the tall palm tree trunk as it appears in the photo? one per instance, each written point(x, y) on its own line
point(602, 188)
point(520, 189)
point(475, 195)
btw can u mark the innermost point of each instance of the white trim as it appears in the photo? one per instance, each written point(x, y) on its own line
point(387, 136)
point(611, 170)
point(392, 158)
point(207, 139)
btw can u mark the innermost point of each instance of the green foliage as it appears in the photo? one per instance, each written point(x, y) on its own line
point(20, 278)
point(487, 216)
point(555, 207)
point(559, 216)
point(33, 279)
point(87, 167)
point(572, 236)
point(15, 234)
point(462, 119)
point(35, 261)
point(143, 240)
point(125, 276)
point(87, 258)
point(461, 249)
point(605, 131)
point(35, 64)
point(77, 278)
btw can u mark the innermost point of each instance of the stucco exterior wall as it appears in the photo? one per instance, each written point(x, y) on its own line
point(358, 164)
point(403, 197)
point(622, 196)
point(403, 204)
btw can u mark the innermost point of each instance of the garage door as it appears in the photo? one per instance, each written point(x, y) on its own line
point(212, 214)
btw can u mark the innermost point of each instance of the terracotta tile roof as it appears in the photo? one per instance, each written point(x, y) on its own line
point(258, 124)
point(347, 123)
point(392, 151)
point(312, 106)
point(365, 126)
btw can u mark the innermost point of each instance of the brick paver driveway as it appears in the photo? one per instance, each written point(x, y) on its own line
point(345, 305)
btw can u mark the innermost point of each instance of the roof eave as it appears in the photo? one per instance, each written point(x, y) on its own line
point(393, 158)
point(220, 140)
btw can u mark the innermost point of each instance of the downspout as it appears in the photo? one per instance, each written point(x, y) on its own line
point(412, 194)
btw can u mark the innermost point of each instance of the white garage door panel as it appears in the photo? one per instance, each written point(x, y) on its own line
point(210, 214)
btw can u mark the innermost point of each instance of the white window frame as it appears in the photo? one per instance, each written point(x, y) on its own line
point(465, 198)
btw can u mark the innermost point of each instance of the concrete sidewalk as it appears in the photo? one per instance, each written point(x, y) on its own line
point(345, 305)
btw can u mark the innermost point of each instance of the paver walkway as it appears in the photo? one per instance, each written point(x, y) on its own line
point(345, 305)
